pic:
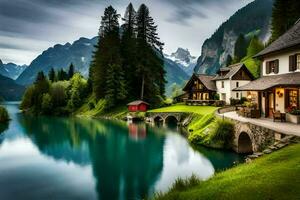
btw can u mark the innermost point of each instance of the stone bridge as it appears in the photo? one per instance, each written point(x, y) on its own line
point(249, 137)
point(165, 117)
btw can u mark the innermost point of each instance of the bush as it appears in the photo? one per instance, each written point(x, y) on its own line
point(4, 117)
point(222, 131)
point(295, 112)
point(47, 104)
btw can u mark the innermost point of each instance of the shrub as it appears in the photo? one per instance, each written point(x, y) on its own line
point(295, 112)
point(222, 131)
point(182, 184)
point(47, 104)
point(4, 117)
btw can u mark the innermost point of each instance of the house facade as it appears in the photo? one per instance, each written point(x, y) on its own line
point(278, 88)
point(229, 78)
point(200, 88)
point(207, 88)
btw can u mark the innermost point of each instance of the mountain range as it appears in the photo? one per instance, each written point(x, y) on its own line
point(80, 54)
point(11, 70)
point(183, 58)
point(252, 19)
point(10, 90)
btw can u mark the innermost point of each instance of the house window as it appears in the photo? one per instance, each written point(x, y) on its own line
point(222, 84)
point(237, 95)
point(237, 84)
point(298, 61)
point(272, 67)
point(293, 99)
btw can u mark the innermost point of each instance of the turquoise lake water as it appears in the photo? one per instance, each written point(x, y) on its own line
point(75, 158)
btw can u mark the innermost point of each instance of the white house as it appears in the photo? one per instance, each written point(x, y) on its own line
point(202, 87)
point(231, 77)
point(278, 88)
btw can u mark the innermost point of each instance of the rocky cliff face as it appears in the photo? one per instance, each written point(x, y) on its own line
point(252, 19)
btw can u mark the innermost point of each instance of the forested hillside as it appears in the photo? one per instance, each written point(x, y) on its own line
point(253, 19)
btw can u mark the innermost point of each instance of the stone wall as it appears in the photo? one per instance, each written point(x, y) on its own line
point(260, 137)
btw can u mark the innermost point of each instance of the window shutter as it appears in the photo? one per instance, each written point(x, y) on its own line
point(292, 63)
point(267, 67)
point(276, 70)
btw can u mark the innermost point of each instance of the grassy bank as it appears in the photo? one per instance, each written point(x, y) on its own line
point(91, 108)
point(200, 110)
point(274, 176)
point(204, 128)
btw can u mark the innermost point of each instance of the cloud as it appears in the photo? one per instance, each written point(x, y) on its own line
point(31, 26)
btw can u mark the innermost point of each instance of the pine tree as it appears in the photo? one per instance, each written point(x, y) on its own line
point(52, 75)
point(107, 51)
point(228, 60)
point(71, 71)
point(116, 88)
point(240, 48)
point(150, 65)
point(285, 14)
point(128, 50)
point(255, 47)
point(62, 75)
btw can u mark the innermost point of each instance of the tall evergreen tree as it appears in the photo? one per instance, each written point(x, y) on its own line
point(52, 75)
point(228, 60)
point(150, 65)
point(255, 47)
point(62, 75)
point(116, 87)
point(71, 71)
point(240, 48)
point(285, 14)
point(128, 50)
point(107, 51)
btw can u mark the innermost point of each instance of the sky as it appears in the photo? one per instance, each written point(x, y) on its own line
point(28, 27)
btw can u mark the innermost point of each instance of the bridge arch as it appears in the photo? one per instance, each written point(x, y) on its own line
point(171, 119)
point(158, 119)
point(244, 143)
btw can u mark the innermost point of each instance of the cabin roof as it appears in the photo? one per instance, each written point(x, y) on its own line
point(136, 103)
point(233, 69)
point(266, 82)
point(289, 39)
point(206, 80)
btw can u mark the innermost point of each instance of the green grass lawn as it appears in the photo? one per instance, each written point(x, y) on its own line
point(201, 110)
point(271, 177)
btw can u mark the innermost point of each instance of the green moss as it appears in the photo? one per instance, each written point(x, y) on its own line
point(274, 176)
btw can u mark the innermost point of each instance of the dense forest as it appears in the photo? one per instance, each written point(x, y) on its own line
point(284, 15)
point(127, 65)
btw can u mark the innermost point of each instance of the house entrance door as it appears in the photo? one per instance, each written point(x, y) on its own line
point(271, 104)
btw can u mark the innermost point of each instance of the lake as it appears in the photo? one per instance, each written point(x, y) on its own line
point(78, 158)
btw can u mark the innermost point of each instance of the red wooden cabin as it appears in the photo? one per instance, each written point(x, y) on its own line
point(138, 106)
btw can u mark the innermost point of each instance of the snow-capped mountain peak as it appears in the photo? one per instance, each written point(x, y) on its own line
point(184, 59)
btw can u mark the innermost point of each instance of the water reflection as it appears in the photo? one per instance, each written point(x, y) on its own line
point(67, 158)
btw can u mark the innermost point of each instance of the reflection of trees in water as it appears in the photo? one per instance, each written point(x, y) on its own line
point(3, 127)
point(123, 167)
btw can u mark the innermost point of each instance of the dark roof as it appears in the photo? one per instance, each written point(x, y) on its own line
point(266, 82)
point(207, 81)
point(233, 69)
point(289, 39)
point(138, 102)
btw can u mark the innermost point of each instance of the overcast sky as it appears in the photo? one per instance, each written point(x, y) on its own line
point(27, 27)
